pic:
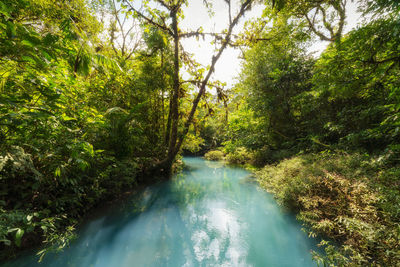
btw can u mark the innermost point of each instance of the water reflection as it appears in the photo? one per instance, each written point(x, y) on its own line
point(208, 215)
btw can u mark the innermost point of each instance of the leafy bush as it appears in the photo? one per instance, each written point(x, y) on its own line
point(193, 143)
point(239, 156)
point(44, 206)
point(344, 198)
point(214, 155)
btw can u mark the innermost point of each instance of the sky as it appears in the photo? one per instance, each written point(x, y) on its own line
point(228, 67)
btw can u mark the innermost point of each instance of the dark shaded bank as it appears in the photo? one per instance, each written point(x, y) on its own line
point(51, 226)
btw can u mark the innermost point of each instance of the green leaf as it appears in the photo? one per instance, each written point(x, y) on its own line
point(67, 118)
point(12, 230)
point(27, 43)
point(57, 172)
point(83, 164)
point(28, 59)
point(18, 236)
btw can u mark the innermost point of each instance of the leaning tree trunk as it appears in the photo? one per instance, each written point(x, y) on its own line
point(245, 6)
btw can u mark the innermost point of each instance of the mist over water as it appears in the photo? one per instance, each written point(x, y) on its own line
point(208, 215)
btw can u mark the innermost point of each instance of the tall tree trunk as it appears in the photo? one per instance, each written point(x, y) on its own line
point(172, 149)
point(168, 130)
point(163, 133)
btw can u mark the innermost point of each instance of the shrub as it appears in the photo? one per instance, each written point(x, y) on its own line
point(214, 155)
point(344, 198)
point(193, 143)
point(239, 156)
point(34, 208)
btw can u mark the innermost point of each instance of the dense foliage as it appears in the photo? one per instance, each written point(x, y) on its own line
point(77, 123)
point(91, 97)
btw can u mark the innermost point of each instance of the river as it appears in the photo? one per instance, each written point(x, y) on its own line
point(207, 215)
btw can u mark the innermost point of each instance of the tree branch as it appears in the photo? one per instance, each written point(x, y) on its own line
point(244, 7)
point(149, 20)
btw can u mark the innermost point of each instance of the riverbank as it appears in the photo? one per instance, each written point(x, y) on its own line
point(50, 226)
point(351, 199)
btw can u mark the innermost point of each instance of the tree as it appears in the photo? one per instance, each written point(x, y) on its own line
point(274, 77)
point(324, 18)
point(172, 9)
point(359, 83)
point(125, 36)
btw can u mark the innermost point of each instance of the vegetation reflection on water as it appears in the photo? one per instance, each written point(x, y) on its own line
point(209, 215)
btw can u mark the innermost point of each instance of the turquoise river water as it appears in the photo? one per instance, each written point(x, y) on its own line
point(208, 215)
